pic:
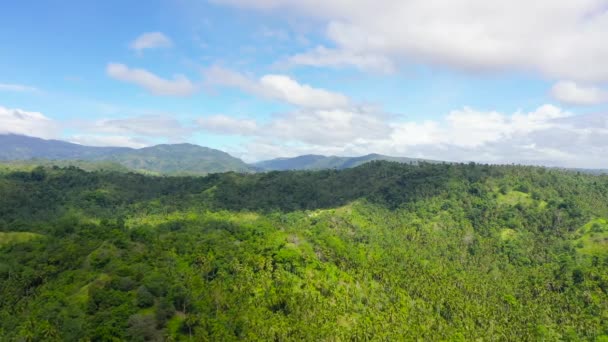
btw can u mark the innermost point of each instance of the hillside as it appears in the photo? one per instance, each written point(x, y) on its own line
point(318, 162)
point(383, 251)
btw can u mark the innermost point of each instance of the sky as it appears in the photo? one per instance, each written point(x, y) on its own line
point(515, 81)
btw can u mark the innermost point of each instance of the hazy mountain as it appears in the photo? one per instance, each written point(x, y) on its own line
point(318, 162)
point(179, 159)
point(21, 147)
point(163, 159)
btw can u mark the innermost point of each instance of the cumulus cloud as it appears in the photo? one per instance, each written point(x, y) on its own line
point(109, 140)
point(324, 57)
point(329, 126)
point(561, 39)
point(178, 86)
point(545, 136)
point(277, 87)
point(16, 87)
point(18, 121)
point(310, 126)
point(151, 40)
point(146, 126)
point(569, 92)
point(222, 124)
point(136, 131)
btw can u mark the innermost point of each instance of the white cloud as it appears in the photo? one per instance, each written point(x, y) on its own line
point(310, 126)
point(147, 126)
point(16, 87)
point(19, 121)
point(329, 126)
point(322, 57)
point(276, 34)
point(222, 124)
point(545, 136)
point(108, 140)
point(285, 88)
point(471, 128)
point(572, 93)
point(178, 86)
point(561, 39)
point(277, 87)
point(151, 40)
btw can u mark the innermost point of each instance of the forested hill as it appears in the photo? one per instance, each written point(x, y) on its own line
point(383, 251)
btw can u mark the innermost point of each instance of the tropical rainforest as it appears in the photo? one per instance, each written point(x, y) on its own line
point(384, 251)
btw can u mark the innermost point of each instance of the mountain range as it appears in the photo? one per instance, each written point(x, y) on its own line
point(186, 159)
point(319, 162)
point(159, 159)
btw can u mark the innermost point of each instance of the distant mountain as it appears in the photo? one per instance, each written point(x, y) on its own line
point(179, 159)
point(161, 159)
point(21, 147)
point(318, 162)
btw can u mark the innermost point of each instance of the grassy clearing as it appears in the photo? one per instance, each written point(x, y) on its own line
point(592, 238)
point(508, 234)
point(514, 198)
point(11, 238)
point(82, 295)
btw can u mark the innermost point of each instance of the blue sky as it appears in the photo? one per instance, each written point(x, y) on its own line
point(452, 80)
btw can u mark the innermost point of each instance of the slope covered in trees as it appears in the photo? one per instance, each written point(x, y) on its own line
point(383, 251)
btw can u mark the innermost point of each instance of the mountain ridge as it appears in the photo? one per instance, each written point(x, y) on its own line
point(184, 158)
point(173, 159)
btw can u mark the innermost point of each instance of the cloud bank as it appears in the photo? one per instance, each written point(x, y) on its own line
point(569, 92)
point(276, 87)
point(559, 39)
point(23, 122)
point(546, 136)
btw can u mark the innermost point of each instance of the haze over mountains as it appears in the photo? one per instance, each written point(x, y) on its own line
point(162, 159)
point(319, 162)
point(172, 159)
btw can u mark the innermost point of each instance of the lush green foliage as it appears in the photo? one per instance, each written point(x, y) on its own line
point(383, 251)
point(29, 165)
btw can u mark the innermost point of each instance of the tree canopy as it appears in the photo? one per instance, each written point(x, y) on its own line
point(384, 251)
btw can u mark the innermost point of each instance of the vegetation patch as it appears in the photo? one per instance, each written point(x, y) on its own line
point(82, 295)
point(592, 238)
point(11, 238)
point(508, 234)
point(515, 197)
